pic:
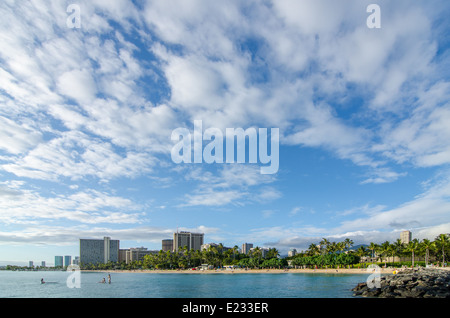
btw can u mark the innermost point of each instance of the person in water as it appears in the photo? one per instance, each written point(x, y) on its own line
point(103, 281)
point(42, 281)
point(109, 279)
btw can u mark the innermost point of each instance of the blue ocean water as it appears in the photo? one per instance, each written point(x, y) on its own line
point(170, 285)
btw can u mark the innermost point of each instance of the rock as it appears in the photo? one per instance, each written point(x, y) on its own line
point(371, 292)
point(417, 283)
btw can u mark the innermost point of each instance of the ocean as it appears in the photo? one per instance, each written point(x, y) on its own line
point(22, 284)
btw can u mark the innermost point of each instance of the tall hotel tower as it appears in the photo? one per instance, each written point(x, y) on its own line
point(99, 251)
point(193, 241)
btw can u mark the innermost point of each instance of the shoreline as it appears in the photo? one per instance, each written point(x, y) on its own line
point(365, 271)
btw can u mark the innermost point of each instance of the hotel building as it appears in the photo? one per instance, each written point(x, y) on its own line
point(67, 260)
point(193, 241)
point(134, 254)
point(167, 245)
point(405, 237)
point(59, 261)
point(246, 248)
point(94, 251)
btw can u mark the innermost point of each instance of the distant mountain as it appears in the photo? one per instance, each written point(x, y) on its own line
point(355, 247)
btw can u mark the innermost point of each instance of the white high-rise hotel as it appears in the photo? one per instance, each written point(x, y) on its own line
point(95, 251)
point(193, 241)
point(405, 237)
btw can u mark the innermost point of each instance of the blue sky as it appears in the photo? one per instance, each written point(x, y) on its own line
point(86, 117)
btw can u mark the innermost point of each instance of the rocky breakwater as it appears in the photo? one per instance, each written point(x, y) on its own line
point(409, 283)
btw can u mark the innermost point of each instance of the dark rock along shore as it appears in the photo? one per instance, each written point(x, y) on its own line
point(409, 283)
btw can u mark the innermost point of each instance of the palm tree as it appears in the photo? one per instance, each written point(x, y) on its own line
point(213, 254)
point(348, 243)
point(384, 250)
point(399, 247)
point(220, 255)
point(442, 240)
point(235, 250)
point(332, 247)
point(427, 245)
point(324, 245)
point(392, 250)
point(340, 247)
point(272, 253)
point(373, 247)
point(256, 256)
point(361, 251)
point(411, 247)
point(313, 250)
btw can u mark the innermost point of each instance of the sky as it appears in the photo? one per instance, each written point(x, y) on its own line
point(92, 91)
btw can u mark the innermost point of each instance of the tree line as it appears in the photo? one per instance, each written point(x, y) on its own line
point(214, 256)
point(324, 254)
point(437, 250)
point(328, 253)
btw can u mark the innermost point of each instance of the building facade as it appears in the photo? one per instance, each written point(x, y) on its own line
point(167, 245)
point(246, 248)
point(67, 260)
point(137, 254)
point(217, 246)
point(405, 237)
point(292, 252)
point(193, 241)
point(95, 251)
point(122, 255)
point(59, 261)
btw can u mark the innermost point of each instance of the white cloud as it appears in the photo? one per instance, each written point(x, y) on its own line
point(209, 197)
point(426, 210)
point(74, 155)
point(17, 139)
point(79, 85)
point(19, 205)
point(236, 184)
point(383, 175)
point(422, 138)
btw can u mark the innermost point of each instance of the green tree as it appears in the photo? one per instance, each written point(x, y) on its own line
point(272, 253)
point(373, 247)
point(361, 252)
point(340, 247)
point(392, 250)
point(324, 245)
point(412, 247)
point(427, 245)
point(256, 256)
point(442, 240)
point(313, 249)
point(384, 250)
point(235, 250)
point(348, 244)
point(399, 248)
